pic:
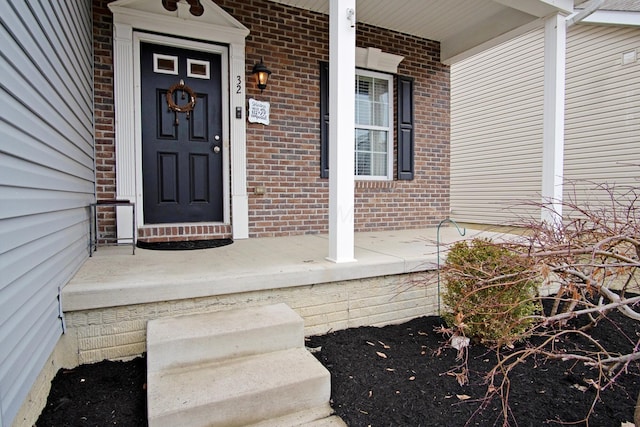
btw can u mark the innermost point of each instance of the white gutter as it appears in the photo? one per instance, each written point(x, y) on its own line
point(584, 13)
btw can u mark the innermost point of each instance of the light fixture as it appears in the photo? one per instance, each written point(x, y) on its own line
point(262, 74)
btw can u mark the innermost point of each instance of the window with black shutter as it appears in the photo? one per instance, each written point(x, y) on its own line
point(373, 133)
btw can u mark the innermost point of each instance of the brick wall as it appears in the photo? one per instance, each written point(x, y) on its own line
point(104, 116)
point(423, 201)
point(284, 157)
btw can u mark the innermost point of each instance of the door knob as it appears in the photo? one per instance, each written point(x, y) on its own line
point(216, 149)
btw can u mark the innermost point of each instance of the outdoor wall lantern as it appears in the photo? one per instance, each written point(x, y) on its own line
point(262, 74)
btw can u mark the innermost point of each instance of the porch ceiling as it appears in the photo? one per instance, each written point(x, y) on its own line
point(461, 26)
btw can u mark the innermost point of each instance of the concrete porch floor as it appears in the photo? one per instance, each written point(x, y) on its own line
point(114, 277)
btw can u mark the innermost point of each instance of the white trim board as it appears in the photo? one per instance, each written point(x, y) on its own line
point(130, 19)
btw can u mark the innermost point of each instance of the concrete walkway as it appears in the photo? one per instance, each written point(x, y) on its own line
point(114, 277)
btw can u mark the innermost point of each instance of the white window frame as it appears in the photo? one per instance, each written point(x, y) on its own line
point(207, 67)
point(158, 56)
point(389, 128)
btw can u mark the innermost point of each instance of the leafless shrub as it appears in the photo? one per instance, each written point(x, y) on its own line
point(589, 265)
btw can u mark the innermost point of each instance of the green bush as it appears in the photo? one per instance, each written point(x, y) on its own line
point(489, 291)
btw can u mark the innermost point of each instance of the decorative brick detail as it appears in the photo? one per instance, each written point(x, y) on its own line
point(376, 184)
point(283, 159)
point(160, 233)
point(120, 332)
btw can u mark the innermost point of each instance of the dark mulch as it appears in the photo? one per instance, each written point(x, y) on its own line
point(410, 387)
point(101, 394)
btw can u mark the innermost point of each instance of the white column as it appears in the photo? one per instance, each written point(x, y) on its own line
point(342, 54)
point(125, 126)
point(555, 42)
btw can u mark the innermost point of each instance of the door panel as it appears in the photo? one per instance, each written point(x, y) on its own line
point(199, 186)
point(168, 177)
point(166, 119)
point(198, 121)
point(182, 174)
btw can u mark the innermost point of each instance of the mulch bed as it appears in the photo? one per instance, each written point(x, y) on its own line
point(100, 394)
point(391, 376)
point(411, 385)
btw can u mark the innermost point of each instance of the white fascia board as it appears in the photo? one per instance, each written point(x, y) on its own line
point(613, 17)
point(539, 8)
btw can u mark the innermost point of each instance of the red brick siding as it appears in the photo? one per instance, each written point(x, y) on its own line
point(423, 201)
point(284, 157)
point(104, 117)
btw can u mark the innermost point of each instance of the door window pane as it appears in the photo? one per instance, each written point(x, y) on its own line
point(197, 68)
point(165, 64)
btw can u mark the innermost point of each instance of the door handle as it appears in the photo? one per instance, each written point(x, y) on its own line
point(216, 149)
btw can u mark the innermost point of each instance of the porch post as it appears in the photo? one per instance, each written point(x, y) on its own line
point(553, 135)
point(342, 57)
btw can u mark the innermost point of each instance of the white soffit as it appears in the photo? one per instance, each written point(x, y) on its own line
point(459, 25)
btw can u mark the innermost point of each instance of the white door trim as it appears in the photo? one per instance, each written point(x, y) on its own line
point(130, 19)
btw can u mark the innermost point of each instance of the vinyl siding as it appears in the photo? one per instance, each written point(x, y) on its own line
point(496, 126)
point(46, 179)
point(496, 133)
point(603, 110)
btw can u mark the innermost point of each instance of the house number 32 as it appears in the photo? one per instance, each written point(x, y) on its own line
point(239, 85)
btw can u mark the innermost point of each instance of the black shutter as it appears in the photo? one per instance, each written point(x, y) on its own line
point(324, 119)
point(405, 128)
point(405, 125)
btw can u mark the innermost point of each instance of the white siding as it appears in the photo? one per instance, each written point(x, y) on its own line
point(496, 132)
point(603, 109)
point(496, 122)
point(46, 178)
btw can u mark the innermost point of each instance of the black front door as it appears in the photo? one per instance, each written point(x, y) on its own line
point(181, 135)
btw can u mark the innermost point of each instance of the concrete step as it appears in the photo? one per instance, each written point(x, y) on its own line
point(316, 417)
point(195, 339)
point(240, 392)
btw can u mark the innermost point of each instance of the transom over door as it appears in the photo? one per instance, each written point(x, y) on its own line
point(181, 147)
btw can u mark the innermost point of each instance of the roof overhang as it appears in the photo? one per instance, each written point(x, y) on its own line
point(462, 27)
point(614, 17)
